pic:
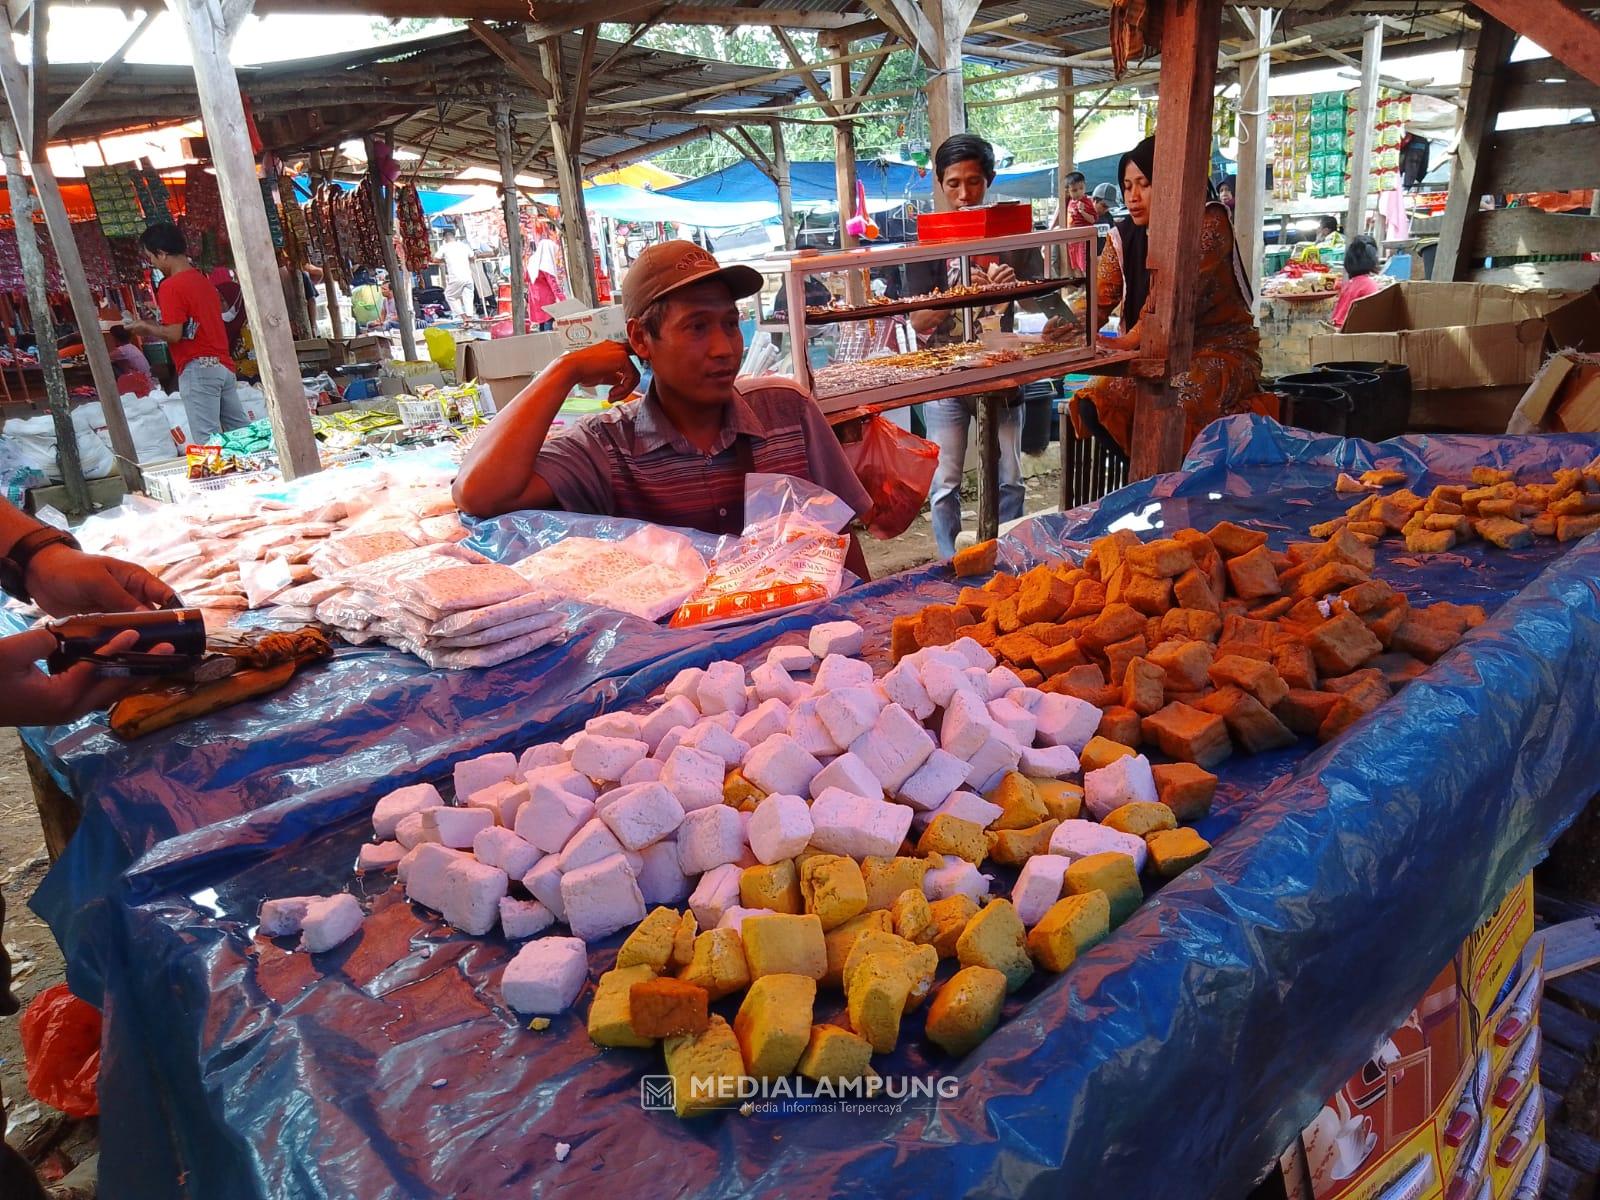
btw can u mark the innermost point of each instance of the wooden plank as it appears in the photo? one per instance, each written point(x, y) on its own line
point(1558, 1067)
point(508, 201)
point(101, 75)
point(1509, 231)
point(1560, 26)
point(844, 160)
point(1561, 1182)
point(990, 405)
point(1250, 188)
point(1469, 171)
point(59, 813)
point(1578, 1150)
point(1568, 1028)
point(785, 182)
point(807, 75)
point(38, 125)
point(553, 20)
point(1549, 159)
point(1366, 117)
point(1545, 83)
point(1579, 991)
point(575, 237)
point(1183, 119)
point(1555, 909)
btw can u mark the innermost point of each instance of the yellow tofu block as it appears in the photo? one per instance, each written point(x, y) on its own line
point(878, 1001)
point(1174, 851)
point(610, 1020)
point(740, 792)
point(967, 1009)
point(1013, 847)
point(831, 887)
point(1141, 817)
point(950, 917)
point(773, 1024)
point(840, 941)
point(776, 887)
point(1102, 752)
point(953, 836)
point(886, 878)
point(913, 916)
point(718, 964)
point(683, 941)
point(995, 938)
point(921, 963)
point(1111, 873)
point(651, 941)
point(835, 1053)
point(699, 1063)
point(1016, 794)
point(1063, 800)
point(785, 945)
point(1070, 926)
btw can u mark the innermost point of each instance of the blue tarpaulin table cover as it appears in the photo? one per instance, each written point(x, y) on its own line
point(1174, 1059)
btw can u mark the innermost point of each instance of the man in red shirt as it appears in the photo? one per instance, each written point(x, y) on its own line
point(191, 321)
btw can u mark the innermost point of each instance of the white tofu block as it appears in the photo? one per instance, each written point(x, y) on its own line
point(644, 814)
point(545, 754)
point(765, 719)
point(685, 683)
point(281, 917)
point(781, 764)
point(722, 720)
point(966, 727)
point(472, 895)
point(601, 898)
point(715, 894)
point(571, 740)
point(646, 770)
point(849, 712)
point(932, 783)
point(330, 920)
point(524, 918)
point(903, 686)
point(836, 671)
point(403, 868)
point(836, 637)
point(606, 758)
point(1049, 762)
point(589, 845)
point(894, 747)
point(669, 743)
point(413, 830)
point(661, 880)
point(478, 773)
point(713, 738)
point(735, 917)
point(1066, 721)
point(771, 682)
point(502, 799)
point(849, 773)
point(614, 725)
point(564, 777)
point(721, 689)
point(427, 877)
point(1014, 719)
point(942, 679)
point(957, 877)
point(499, 847)
point(551, 816)
point(857, 826)
point(709, 837)
point(1077, 839)
point(677, 713)
point(695, 777)
point(1122, 782)
point(1027, 697)
point(808, 731)
point(380, 856)
point(544, 881)
point(1038, 886)
point(545, 976)
point(793, 659)
point(969, 806)
point(780, 827)
point(1001, 681)
point(993, 759)
point(401, 803)
point(972, 653)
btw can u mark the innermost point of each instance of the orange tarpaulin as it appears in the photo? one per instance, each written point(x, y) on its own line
point(80, 207)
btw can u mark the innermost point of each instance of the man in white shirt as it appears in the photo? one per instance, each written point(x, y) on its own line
point(456, 258)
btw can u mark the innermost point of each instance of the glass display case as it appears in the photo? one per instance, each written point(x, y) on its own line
point(885, 326)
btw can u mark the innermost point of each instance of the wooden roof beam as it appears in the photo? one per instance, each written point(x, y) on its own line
point(1560, 26)
point(519, 64)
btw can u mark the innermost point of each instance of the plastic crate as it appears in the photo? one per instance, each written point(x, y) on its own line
point(169, 481)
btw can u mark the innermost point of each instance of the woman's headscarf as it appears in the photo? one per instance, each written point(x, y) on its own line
point(1134, 240)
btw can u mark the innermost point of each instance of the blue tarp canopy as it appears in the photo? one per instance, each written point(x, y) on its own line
point(624, 203)
point(1191, 1045)
point(432, 202)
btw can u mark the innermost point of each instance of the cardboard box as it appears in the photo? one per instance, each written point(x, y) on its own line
point(503, 366)
point(1563, 398)
point(577, 326)
point(319, 353)
point(368, 350)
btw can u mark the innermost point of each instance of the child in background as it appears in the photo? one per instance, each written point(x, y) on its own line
point(131, 367)
point(1360, 268)
point(1081, 212)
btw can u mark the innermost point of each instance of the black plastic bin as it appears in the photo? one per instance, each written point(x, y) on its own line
point(1318, 407)
point(1038, 399)
point(1391, 416)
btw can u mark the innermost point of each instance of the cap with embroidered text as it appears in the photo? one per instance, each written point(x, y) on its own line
point(669, 266)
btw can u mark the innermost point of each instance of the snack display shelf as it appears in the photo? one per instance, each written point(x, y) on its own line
point(983, 297)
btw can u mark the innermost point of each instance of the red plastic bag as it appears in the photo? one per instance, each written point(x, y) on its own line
point(61, 1041)
point(897, 469)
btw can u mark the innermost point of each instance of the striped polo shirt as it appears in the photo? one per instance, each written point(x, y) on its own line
point(631, 461)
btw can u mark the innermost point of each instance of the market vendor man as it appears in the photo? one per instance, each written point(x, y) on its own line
point(678, 456)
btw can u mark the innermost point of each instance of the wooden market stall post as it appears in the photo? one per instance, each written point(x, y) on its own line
point(1366, 120)
point(382, 193)
point(1250, 185)
point(509, 206)
point(1066, 155)
point(567, 112)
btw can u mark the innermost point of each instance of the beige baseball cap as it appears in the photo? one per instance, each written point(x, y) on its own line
point(669, 266)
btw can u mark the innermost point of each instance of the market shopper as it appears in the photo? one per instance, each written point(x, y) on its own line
point(1225, 368)
point(191, 321)
point(1361, 276)
point(680, 454)
point(456, 258)
point(544, 275)
point(129, 365)
point(1105, 198)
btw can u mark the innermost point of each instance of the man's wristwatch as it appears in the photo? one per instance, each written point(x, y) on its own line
point(14, 565)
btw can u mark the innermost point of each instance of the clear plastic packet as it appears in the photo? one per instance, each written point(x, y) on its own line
point(532, 603)
point(486, 656)
point(490, 634)
point(264, 580)
point(459, 587)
